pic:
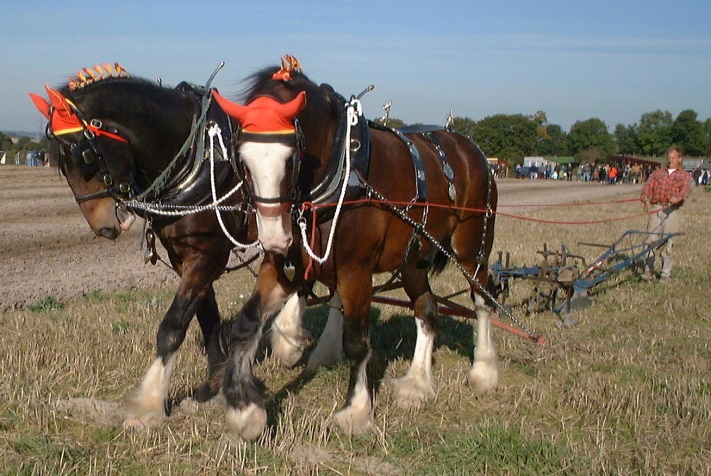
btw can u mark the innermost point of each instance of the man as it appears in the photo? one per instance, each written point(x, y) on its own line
point(664, 193)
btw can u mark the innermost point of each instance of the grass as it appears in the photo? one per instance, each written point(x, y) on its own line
point(626, 391)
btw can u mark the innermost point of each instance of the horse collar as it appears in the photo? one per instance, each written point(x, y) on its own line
point(327, 190)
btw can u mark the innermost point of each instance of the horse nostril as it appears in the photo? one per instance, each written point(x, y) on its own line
point(110, 233)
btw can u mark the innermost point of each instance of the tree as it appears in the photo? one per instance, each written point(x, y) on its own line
point(687, 133)
point(590, 134)
point(655, 132)
point(463, 125)
point(393, 122)
point(24, 143)
point(5, 141)
point(555, 144)
point(706, 137)
point(508, 136)
point(626, 139)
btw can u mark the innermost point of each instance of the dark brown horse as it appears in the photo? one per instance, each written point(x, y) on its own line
point(124, 145)
point(426, 198)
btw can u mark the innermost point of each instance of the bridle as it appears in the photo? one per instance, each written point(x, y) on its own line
point(295, 140)
point(89, 158)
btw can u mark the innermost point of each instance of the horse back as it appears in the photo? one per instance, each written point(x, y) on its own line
point(393, 168)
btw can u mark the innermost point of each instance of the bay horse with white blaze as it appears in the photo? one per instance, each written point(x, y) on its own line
point(122, 141)
point(426, 199)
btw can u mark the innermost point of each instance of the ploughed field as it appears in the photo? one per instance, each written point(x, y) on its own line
point(625, 391)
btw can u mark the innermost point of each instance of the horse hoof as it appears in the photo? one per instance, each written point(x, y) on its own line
point(411, 394)
point(290, 358)
point(289, 349)
point(135, 423)
point(141, 415)
point(483, 378)
point(352, 422)
point(204, 393)
point(249, 423)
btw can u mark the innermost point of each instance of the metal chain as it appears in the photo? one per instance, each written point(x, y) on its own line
point(177, 210)
point(438, 245)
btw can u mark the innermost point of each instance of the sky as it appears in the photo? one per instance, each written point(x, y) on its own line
point(609, 59)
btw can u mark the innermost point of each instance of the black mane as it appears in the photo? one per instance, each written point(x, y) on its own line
point(262, 84)
point(155, 119)
point(122, 98)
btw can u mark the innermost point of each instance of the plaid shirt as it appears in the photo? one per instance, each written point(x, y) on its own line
point(662, 186)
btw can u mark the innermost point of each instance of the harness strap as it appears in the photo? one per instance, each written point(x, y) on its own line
point(481, 258)
point(419, 165)
point(446, 168)
point(420, 183)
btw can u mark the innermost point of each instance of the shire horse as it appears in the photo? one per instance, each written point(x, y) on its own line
point(114, 136)
point(426, 197)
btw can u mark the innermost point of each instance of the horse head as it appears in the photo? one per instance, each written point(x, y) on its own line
point(280, 130)
point(99, 129)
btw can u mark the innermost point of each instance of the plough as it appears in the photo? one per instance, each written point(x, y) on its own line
point(564, 280)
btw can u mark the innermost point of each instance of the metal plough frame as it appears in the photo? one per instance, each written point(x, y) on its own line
point(557, 272)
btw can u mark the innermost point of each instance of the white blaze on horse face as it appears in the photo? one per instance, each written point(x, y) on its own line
point(267, 168)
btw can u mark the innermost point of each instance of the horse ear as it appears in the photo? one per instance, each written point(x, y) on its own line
point(41, 104)
point(232, 109)
point(293, 107)
point(60, 102)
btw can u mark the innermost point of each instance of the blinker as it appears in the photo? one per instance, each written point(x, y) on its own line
point(85, 157)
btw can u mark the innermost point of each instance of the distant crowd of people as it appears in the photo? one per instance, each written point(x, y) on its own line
point(33, 158)
point(701, 176)
point(604, 173)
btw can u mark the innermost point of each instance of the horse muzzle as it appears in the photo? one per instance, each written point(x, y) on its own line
point(274, 228)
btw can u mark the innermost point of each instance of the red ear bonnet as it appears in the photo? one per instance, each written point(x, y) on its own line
point(63, 119)
point(264, 115)
point(41, 104)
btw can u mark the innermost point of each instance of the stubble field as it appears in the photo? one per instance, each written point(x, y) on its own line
point(625, 391)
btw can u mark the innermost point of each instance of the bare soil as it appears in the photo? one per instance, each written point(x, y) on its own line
point(48, 249)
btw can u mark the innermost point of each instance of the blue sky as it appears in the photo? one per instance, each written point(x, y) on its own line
point(613, 60)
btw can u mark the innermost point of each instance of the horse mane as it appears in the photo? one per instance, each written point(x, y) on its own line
point(261, 83)
point(133, 82)
point(134, 102)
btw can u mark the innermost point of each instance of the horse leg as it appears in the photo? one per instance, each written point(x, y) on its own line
point(357, 414)
point(245, 412)
point(146, 407)
point(208, 316)
point(288, 338)
point(484, 374)
point(329, 348)
point(417, 386)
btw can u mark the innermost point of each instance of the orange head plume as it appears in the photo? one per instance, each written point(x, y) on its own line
point(289, 64)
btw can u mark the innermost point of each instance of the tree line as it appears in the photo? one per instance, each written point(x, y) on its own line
point(23, 145)
point(515, 136)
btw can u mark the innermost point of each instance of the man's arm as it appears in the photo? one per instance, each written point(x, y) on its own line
point(684, 189)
